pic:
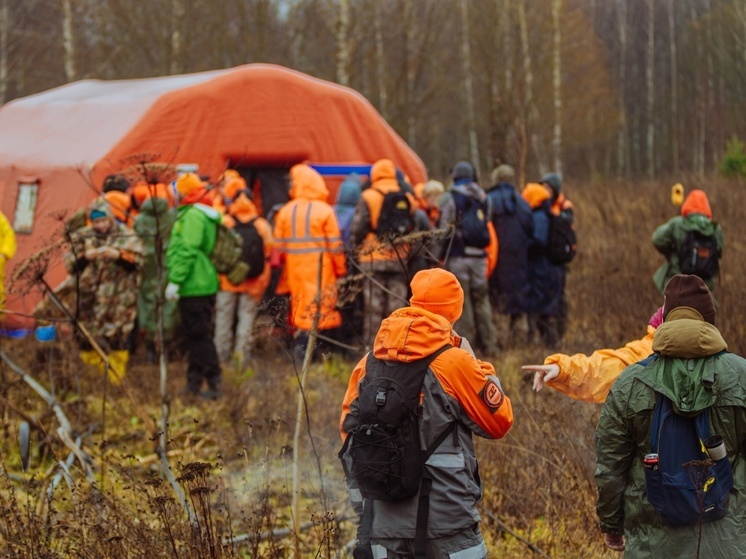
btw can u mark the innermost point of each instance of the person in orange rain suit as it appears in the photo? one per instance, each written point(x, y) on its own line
point(457, 389)
point(382, 260)
point(239, 303)
point(115, 191)
point(308, 238)
point(589, 377)
point(143, 190)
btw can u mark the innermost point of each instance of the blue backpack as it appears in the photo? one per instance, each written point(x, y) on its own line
point(472, 220)
point(684, 485)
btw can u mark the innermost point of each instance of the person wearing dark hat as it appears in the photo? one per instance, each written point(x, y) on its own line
point(458, 390)
point(468, 255)
point(561, 206)
point(692, 368)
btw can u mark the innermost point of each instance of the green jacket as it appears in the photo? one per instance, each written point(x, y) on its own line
point(668, 238)
point(188, 254)
point(694, 372)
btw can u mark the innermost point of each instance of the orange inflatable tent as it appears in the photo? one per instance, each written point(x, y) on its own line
point(57, 147)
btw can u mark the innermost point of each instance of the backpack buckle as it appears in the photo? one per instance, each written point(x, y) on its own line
point(380, 397)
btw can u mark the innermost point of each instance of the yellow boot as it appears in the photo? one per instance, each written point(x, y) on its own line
point(118, 365)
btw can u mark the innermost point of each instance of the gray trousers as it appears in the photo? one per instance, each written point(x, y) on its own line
point(467, 544)
point(476, 319)
point(239, 309)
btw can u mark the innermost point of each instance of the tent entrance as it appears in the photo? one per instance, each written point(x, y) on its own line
point(269, 185)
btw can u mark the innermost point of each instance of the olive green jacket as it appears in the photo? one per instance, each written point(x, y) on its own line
point(669, 237)
point(693, 369)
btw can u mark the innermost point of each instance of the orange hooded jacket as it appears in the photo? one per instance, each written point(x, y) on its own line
point(307, 236)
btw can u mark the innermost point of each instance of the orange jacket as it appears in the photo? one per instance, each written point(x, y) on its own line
point(307, 235)
point(243, 210)
point(121, 206)
point(412, 333)
point(589, 377)
point(368, 213)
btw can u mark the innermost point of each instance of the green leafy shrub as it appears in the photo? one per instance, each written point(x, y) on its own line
point(733, 164)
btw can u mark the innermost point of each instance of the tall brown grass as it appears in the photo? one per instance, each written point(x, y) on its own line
point(233, 457)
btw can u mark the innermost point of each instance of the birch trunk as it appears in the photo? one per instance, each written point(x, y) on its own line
point(380, 63)
point(674, 87)
point(177, 19)
point(530, 111)
point(649, 74)
point(68, 40)
point(409, 60)
point(468, 85)
point(623, 133)
point(556, 85)
point(710, 112)
point(343, 43)
point(700, 106)
point(4, 44)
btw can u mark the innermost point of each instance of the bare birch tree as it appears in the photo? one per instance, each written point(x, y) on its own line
point(556, 84)
point(380, 62)
point(343, 43)
point(177, 20)
point(623, 135)
point(68, 40)
point(674, 87)
point(468, 85)
point(649, 80)
point(4, 46)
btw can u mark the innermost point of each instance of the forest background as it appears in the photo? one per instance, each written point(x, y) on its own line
point(624, 97)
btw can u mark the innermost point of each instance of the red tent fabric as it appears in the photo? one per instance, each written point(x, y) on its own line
point(70, 138)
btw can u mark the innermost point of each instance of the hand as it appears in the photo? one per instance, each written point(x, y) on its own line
point(172, 292)
point(92, 254)
point(109, 253)
point(614, 541)
point(542, 374)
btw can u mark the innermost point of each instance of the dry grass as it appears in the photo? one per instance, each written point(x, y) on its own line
point(233, 457)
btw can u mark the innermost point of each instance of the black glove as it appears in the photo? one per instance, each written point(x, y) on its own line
point(363, 551)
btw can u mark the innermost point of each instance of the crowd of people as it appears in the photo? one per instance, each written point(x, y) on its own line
point(435, 279)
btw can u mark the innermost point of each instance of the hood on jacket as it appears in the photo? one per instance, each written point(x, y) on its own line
point(307, 183)
point(470, 189)
point(349, 191)
point(152, 205)
point(383, 169)
point(243, 207)
point(535, 194)
point(411, 333)
point(696, 202)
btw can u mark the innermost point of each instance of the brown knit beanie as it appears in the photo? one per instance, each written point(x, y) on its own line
point(684, 290)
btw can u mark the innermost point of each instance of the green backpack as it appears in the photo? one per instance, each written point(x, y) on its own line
point(226, 255)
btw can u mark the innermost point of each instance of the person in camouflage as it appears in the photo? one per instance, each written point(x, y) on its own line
point(154, 222)
point(105, 260)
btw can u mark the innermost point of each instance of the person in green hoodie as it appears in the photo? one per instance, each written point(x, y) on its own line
point(193, 281)
point(693, 368)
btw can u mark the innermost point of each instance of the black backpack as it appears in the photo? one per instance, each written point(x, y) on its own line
point(698, 255)
point(396, 218)
point(252, 249)
point(562, 242)
point(382, 454)
point(471, 220)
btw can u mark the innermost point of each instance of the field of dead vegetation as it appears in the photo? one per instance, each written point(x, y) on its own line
point(255, 474)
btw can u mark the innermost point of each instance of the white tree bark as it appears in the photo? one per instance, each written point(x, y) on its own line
point(530, 111)
point(557, 84)
point(380, 63)
point(343, 43)
point(4, 44)
point(68, 40)
point(468, 85)
point(649, 75)
point(623, 133)
point(177, 19)
point(674, 87)
point(410, 54)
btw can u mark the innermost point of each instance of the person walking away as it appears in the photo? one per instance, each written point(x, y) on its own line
point(348, 195)
point(511, 217)
point(563, 208)
point(238, 304)
point(104, 262)
point(7, 251)
point(193, 281)
point(153, 226)
point(703, 387)
point(384, 214)
point(691, 242)
point(589, 378)
point(458, 396)
point(466, 208)
point(545, 279)
point(308, 238)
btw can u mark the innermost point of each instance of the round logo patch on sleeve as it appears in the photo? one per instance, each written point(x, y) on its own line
point(491, 394)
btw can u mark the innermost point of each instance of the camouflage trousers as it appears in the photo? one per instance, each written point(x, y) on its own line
point(239, 309)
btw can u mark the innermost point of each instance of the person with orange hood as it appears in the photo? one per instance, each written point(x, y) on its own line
point(375, 230)
point(308, 238)
point(239, 303)
point(691, 242)
point(459, 396)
